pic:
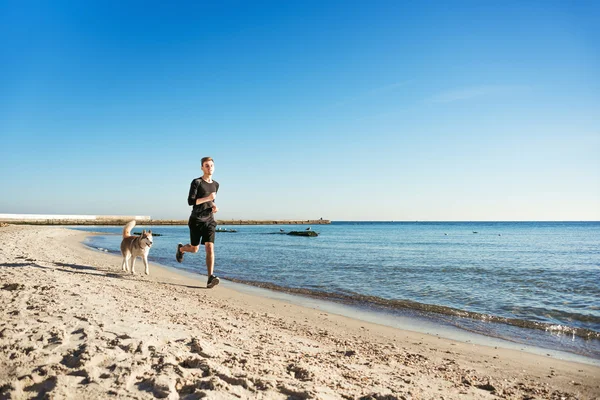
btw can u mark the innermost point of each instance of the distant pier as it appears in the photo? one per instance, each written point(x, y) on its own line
point(244, 222)
point(40, 219)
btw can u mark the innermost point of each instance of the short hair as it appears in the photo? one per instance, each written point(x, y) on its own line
point(205, 159)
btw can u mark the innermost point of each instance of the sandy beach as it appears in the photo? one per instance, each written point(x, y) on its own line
point(73, 325)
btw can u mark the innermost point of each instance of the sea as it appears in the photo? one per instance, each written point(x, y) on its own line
point(530, 284)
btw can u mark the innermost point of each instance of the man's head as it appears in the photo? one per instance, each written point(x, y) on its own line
point(208, 165)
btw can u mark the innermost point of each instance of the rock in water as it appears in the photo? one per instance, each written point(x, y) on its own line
point(303, 233)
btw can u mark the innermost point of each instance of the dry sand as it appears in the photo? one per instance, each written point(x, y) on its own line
point(72, 325)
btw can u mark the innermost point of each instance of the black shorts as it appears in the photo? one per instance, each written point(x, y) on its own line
point(202, 230)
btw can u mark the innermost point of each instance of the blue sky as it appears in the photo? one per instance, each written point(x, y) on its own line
point(344, 110)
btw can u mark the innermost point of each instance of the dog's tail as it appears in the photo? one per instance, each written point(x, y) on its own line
point(127, 229)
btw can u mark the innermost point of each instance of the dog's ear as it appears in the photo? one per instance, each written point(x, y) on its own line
point(144, 232)
point(150, 232)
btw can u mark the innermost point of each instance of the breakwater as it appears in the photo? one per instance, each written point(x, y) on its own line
point(33, 219)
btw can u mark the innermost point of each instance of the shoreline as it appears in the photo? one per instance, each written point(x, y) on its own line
point(409, 321)
point(560, 341)
point(74, 323)
point(413, 323)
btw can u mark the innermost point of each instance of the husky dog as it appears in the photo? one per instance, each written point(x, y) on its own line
point(135, 246)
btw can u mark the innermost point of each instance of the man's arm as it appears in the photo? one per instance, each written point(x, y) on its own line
point(214, 206)
point(193, 191)
point(206, 199)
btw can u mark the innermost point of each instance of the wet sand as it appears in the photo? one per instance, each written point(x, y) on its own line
point(73, 325)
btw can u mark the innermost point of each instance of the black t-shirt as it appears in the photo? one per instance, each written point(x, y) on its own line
point(200, 188)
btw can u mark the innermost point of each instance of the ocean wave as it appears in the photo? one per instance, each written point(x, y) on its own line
point(351, 298)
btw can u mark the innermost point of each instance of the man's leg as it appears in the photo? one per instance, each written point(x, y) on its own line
point(194, 246)
point(209, 246)
point(210, 257)
point(188, 248)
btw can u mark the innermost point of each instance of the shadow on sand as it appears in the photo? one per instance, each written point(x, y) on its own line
point(71, 268)
point(79, 269)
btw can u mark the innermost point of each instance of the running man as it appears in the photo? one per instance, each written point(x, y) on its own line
point(202, 224)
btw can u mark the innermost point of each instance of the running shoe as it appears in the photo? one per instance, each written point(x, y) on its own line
point(212, 281)
point(179, 254)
